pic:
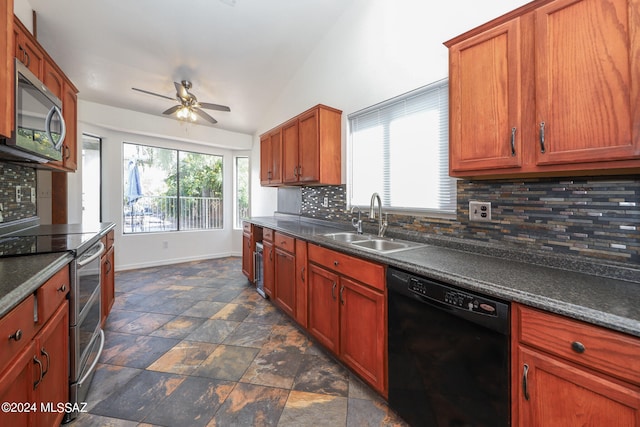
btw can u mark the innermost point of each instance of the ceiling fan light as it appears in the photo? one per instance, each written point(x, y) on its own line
point(192, 115)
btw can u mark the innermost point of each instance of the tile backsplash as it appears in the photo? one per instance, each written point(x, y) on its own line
point(12, 176)
point(594, 218)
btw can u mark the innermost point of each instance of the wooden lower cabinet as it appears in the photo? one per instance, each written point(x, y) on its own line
point(268, 261)
point(285, 281)
point(566, 373)
point(324, 311)
point(363, 331)
point(247, 257)
point(107, 283)
point(16, 386)
point(301, 283)
point(39, 376)
point(52, 349)
point(347, 312)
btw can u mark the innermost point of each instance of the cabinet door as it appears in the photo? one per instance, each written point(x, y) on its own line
point(53, 79)
point(309, 151)
point(52, 349)
point(107, 283)
point(16, 386)
point(265, 159)
point(559, 394)
point(290, 152)
point(587, 81)
point(7, 52)
point(323, 307)
point(247, 256)
point(26, 50)
point(269, 266)
point(70, 114)
point(485, 100)
point(301, 282)
point(276, 157)
point(285, 281)
point(362, 331)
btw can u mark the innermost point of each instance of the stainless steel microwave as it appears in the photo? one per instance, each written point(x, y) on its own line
point(39, 128)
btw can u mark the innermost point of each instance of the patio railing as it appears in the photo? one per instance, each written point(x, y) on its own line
point(160, 213)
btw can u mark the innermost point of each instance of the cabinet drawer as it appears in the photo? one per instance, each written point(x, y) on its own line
point(17, 328)
point(267, 234)
point(366, 272)
point(246, 227)
point(598, 348)
point(284, 242)
point(52, 294)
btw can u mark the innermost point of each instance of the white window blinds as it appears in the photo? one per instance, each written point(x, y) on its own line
point(400, 149)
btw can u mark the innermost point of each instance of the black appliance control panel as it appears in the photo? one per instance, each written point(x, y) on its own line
point(453, 297)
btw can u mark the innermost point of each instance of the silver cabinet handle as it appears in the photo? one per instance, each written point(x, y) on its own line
point(341, 291)
point(542, 149)
point(513, 141)
point(39, 363)
point(525, 372)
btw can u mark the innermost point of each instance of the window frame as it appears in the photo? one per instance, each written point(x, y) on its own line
point(235, 189)
point(178, 224)
point(439, 85)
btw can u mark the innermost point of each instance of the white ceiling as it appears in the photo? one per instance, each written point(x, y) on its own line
point(239, 53)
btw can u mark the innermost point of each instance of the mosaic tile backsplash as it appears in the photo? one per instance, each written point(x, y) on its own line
point(12, 176)
point(593, 218)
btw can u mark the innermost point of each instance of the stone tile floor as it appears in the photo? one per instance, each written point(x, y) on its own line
point(193, 345)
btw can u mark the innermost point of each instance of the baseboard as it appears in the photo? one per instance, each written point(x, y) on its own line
point(163, 262)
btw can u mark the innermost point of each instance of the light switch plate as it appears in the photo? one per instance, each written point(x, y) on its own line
point(479, 211)
point(18, 194)
point(33, 195)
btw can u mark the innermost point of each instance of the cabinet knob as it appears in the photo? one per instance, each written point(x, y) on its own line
point(17, 335)
point(578, 347)
point(62, 288)
point(335, 263)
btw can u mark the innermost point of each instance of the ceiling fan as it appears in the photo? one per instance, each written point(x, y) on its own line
point(189, 108)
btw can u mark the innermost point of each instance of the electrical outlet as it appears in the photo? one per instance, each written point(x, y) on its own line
point(479, 211)
point(33, 195)
point(325, 202)
point(18, 194)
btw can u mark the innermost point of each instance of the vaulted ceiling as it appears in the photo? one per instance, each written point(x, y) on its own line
point(239, 53)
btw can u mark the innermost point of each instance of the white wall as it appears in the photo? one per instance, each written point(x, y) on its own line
point(116, 126)
point(378, 49)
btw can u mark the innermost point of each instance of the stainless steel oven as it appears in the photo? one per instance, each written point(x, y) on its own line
point(86, 336)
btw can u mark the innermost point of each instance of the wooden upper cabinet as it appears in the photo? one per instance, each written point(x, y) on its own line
point(588, 80)
point(290, 163)
point(485, 119)
point(6, 68)
point(311, 150)
point(70, 114)
point(549, 89)
point(53, 79)
point(270, 158)
point(26, 50)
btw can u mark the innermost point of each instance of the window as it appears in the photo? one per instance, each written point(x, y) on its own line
point(400, 150)
point(91, 181)
point(241, 190)
point(170, 190)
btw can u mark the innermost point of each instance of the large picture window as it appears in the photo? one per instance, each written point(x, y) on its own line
point(170, 190)
point(400, 150)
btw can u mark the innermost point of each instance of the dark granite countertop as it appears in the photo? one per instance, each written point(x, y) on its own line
point(606, 301)
point(22, 275)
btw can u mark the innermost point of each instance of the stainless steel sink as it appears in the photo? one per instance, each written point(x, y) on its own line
point(347, 236)
point(372, 243)
point(386, 246)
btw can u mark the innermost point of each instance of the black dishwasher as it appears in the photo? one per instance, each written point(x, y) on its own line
point(448, 354)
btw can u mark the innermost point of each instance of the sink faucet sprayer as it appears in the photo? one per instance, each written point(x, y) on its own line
point(357, 223)
point(382, 224)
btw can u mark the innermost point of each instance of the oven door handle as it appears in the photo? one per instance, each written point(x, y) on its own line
point(92, 257)
point(95, 361)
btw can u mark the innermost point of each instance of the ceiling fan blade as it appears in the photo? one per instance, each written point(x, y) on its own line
point(181, 90)
point(172, 110)
point(205, 116)
point(152, 93)
point(216, 107)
